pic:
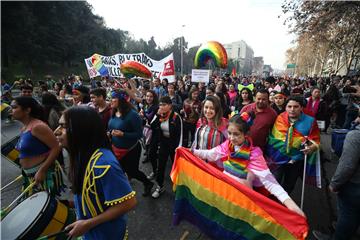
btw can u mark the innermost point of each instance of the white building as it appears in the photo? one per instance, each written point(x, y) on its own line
point(242, 54)
point(258, 66)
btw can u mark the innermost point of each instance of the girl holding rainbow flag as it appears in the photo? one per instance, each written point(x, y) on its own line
point(244, 162)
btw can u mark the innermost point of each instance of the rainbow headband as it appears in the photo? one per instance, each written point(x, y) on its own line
point(280, 94)
point(120, 95)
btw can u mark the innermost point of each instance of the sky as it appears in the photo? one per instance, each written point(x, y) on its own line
point(256, 22)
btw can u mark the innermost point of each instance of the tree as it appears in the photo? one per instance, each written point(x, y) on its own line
point(189, 59)
point(61, 34)
point(54, 32)
point(332, 25)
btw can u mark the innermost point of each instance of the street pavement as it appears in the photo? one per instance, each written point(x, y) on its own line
point(152, 218)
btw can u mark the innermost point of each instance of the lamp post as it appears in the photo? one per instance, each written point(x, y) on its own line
point(181, 51)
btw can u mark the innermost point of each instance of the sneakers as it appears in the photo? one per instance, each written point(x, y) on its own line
point(147, 189)
point(158, 191)
point(320, 236)
point(151, 176)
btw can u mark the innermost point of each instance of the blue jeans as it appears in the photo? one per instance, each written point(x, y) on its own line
point(348, 203)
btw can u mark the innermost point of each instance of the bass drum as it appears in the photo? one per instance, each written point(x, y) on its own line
point(38, 215)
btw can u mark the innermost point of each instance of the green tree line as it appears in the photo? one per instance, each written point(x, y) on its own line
point(53, 38)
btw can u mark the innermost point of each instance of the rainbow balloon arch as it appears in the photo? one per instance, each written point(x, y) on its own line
point(211, 51)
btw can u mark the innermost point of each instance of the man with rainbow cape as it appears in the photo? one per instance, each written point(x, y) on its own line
point(294, 135)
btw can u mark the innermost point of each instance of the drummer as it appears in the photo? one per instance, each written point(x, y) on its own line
point(37, 146)
point(102, 193)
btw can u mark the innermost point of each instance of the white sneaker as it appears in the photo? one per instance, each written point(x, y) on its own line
point(158, 191)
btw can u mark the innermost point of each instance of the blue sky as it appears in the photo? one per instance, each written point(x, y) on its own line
point(255, 22)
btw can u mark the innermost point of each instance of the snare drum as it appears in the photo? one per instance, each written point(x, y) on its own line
point(38, 215)
point(5, 111)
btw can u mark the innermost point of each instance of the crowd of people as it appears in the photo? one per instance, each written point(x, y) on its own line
point(256, 130)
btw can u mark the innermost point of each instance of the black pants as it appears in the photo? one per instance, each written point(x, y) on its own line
point(159, 164)
point(189, 128)
point(287, 175)
point(130, 164)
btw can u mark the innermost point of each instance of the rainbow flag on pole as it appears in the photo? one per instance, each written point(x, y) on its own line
point(223, 208)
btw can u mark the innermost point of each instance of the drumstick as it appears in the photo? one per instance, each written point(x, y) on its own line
point(20, 196)
point(13, 181)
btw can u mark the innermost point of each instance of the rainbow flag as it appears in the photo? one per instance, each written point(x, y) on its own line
point(285, 141)
point(99, 65)
point(223, 208)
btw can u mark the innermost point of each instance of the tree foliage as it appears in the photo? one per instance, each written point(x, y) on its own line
point(330, 28)
point(63, 33)
point(54, 32)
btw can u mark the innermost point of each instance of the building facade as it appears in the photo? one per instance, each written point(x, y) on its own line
point(258, 66)
point(242, 54)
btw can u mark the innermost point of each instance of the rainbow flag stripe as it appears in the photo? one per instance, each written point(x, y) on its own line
point(237, 161)
point(223, 208)
point(278, 154)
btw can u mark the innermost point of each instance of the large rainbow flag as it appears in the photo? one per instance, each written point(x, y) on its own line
point(285, 142)
point(223, 208)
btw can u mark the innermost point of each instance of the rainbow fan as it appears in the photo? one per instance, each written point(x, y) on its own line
point(211, 50)
point(131, 69)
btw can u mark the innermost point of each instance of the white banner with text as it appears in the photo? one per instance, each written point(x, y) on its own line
point(99, 65)
point(200, 75)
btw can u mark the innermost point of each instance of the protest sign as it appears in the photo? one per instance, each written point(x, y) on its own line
point(200, 75)
point(99, 65)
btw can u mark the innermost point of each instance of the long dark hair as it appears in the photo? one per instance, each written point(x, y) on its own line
point(37, 111)
point(124, 105)
point(155, 97)
point(85, 133)
point(218, 110)
point(250, 95)
point(222, 100)
point(50, 101)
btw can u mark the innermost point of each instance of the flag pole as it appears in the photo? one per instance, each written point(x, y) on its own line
point(304, 174)
point(303, 183)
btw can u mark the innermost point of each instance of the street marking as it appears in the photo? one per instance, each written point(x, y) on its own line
point(183, 237)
